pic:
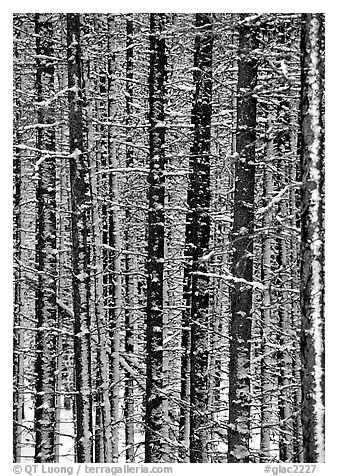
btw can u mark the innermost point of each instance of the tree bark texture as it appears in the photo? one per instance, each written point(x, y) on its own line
point(243, 227)
point(154, 319)
point(46, 309)
point(312, 229)
point(80, 251)
point(129, 260)
point(199, 204)
point(268, 364)
point(19, 244)
point(114, 231)
point(103, 446)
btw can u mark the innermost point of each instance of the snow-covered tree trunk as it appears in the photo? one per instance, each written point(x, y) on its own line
point(295, 305)
point(19, 238)
point(130, 315)
point(115, 241)
point(268, 381)
point(154, 319)
point(46, 309)
point(199, 203)
point(103, 437)
point(105, 441)
point(285, 323)
point(312, 249)
point(62, 199)
point(80, 251)
point(243, 227)
point(61, 261)
point(18, 334)
point(184, 426)
point(116, 315)
point(166, 359)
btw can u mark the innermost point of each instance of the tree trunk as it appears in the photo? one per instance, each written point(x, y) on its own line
point(18, 334)
point(268, 382)
point(243, 227)
point(80, 252)
point(19, 243)
point(298, 456)
point(129, 261)
point(101, 114)
point(312, 229)
point(285, 323)
point(46, 310)
point(62, 200)
point(105, 444)
point(114, 232)
point(154, 319)
point(199, 203)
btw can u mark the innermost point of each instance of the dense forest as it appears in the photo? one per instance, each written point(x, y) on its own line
point(168, 237)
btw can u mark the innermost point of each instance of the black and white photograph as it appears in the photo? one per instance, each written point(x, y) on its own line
point(168, 238)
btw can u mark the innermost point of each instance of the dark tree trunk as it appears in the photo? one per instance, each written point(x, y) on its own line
point(154, 323)
point(80, 252)
point(198, 231)
point(243, 227)
point(129, 313)
point(46, 309)
point(312, 229)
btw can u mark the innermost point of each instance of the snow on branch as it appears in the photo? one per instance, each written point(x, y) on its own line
point(251, 20)
point(278, 197)
point(132, 372)
point(50, 153)
point(49, 101)
point(232, 279)
point(43, 126)
point(65, 308)
point(141, 170)
point(47, 57)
